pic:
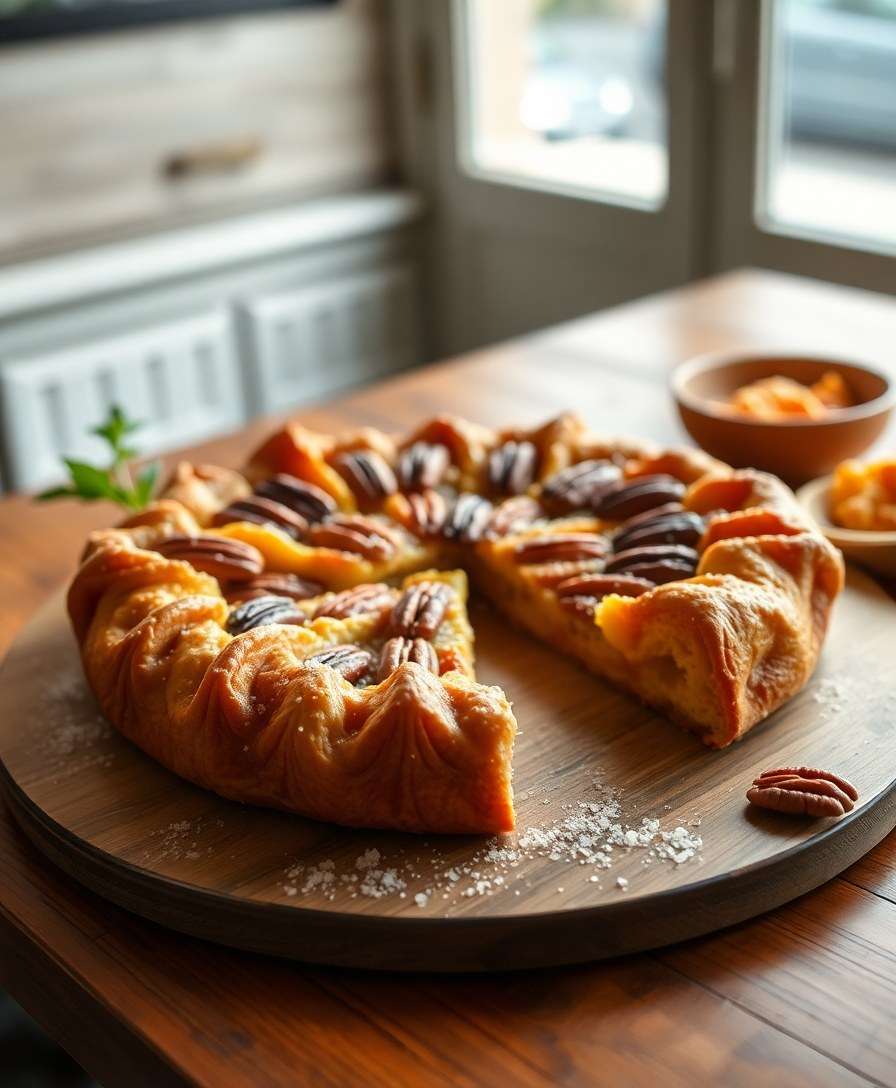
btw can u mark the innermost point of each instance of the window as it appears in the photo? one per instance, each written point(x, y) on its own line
point(827, 165)
point(566, 95)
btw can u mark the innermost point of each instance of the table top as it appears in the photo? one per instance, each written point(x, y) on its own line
point(801, 996)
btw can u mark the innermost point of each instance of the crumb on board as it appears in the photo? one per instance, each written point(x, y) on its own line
point(590, 833)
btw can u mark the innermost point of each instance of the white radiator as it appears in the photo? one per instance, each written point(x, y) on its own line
point(180, 379)
point(305, 343)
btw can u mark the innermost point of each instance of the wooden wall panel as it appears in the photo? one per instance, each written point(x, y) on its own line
point(87, 124)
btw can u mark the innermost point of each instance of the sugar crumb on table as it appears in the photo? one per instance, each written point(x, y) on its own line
point(593, 834)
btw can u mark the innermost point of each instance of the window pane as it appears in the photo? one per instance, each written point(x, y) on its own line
point(568, 94)
point(830, 154)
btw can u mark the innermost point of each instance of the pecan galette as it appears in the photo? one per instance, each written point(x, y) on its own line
point(296, 635)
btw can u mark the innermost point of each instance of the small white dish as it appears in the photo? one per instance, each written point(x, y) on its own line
point(875, 549)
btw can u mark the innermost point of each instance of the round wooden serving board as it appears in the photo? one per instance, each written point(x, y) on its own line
point(280, 884)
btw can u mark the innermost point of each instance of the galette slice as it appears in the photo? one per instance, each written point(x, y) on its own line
point(366, 716)
point(711, 604)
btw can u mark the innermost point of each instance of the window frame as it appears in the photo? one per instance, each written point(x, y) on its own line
point(742, 233)
point(474, 223)
point(465, 83)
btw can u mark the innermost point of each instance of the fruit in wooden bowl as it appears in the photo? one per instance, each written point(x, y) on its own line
point(858, 495)
point(794, 415)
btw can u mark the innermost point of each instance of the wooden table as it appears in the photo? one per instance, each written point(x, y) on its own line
point(803, 996)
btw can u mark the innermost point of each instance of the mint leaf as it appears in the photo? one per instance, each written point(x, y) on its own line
point(146, 482)
point(115, 481)
point(90, 482)
point(116, 427)
point(56, 493)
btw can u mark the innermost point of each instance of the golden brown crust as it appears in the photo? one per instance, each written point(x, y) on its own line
point(252, 719)
point(622, 449)
point(719, 651)
point(204, 489)
point(556, 441)
point(298, 451)
point(685, 464)
point(366, 438)
point(747, 630)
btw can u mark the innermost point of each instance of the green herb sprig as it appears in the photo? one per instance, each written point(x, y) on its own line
point(117, 482)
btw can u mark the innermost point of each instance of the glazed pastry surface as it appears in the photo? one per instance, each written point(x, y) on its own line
point(296, 635)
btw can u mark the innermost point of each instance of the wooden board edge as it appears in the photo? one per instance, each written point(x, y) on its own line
point(454, 945)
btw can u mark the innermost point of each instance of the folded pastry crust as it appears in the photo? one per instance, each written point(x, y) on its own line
point(252, 719)
point(719, 651)
point(361, 706)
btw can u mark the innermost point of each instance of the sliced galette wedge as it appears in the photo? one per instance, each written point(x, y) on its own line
point(711, 606)
point(366, 716)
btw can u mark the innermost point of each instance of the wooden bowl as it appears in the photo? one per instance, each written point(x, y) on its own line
point(875, 549)
point(796, 450)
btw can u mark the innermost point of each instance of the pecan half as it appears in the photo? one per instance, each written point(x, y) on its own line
point(274, 584)
point(427, 512)
point(600, 585)
point(350, 661)
point(635, 496)
point(511, 467)
point(351, 533)
point(227, 560)
point(422, 465)
point(419, 611)
point(661, 571)
point(579, 486)
point(468, 518)
point(560, 548)
point(513, 515)
point(367, 473)
point(396, 651)
point(685, 528)
point(354, 602)
point(636, 521)
point(302, 497)
point(262, 511)
point(653, 553)
point(583, 592)
point(260, 611)
point(803, 791)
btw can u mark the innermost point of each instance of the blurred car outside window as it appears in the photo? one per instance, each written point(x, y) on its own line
point(568, 95)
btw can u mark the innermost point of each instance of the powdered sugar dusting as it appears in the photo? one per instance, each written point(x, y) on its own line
point(584, 843)
point(591, 831)
point(182, 839)
point(77, 732)
point(367, 878)
point(831, 694)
